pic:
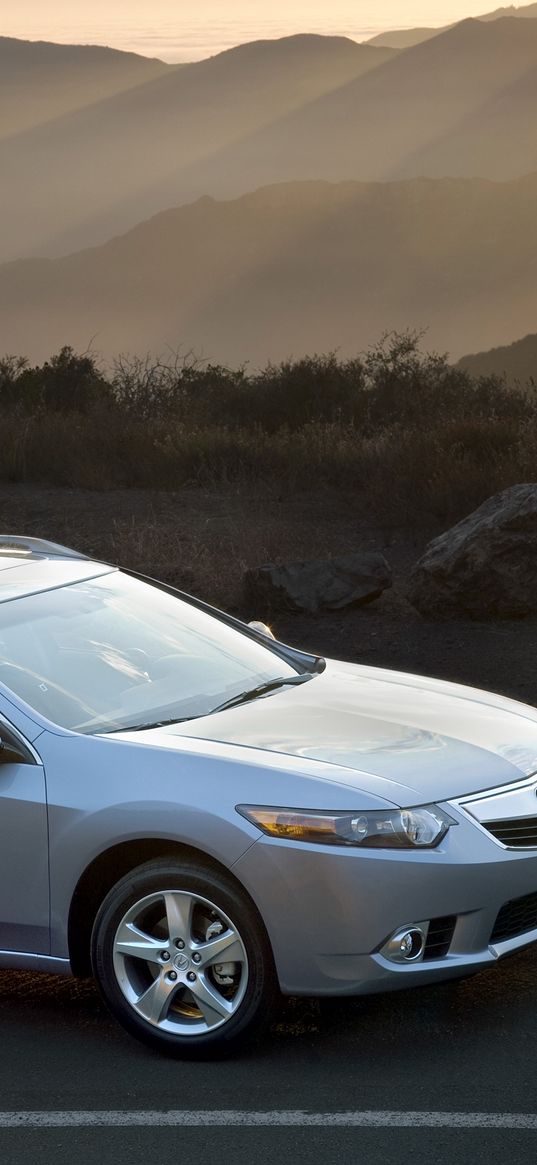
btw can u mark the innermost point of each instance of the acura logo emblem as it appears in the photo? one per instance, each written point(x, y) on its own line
point(181, 962)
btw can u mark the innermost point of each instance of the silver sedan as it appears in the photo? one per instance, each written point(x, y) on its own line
point(202, 817)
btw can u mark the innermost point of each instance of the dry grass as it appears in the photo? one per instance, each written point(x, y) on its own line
point(433, 473)
point(199, 540)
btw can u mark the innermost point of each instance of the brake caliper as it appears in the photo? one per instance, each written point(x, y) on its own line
point(223, 972)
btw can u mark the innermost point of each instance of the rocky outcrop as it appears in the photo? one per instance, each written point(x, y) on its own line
point(320, 585)
point(485, 566)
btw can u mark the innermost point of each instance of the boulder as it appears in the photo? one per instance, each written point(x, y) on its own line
point(321, 585)
point(485, 566)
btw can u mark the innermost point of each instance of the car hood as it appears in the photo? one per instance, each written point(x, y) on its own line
point(431, 740)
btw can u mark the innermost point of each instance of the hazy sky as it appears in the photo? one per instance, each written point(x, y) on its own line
point(189, 29)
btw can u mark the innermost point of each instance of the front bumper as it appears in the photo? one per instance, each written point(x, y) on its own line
point(329, 912)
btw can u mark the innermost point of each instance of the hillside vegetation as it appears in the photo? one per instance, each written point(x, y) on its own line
point(397, 430)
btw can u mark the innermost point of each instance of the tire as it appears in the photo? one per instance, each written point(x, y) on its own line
point(183, 961)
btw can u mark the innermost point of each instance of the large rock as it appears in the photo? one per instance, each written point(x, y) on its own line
point(321, 585)
point(484, 566)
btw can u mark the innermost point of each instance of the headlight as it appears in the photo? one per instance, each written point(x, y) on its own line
point(421, 828)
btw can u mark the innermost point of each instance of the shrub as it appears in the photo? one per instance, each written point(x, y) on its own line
point(65, 383)
point(401, 431)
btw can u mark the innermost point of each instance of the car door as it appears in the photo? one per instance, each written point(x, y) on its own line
point(24, 880)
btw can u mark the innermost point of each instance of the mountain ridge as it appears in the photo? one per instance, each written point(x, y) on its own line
point(41, 80)
point(430, 91)
point(402, 38)
point(517, 362)
point(103, 168)
point(290, 269)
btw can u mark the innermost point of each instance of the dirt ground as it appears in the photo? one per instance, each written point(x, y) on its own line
point(203, 542)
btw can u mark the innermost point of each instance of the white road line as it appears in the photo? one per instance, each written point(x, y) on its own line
point(232, 1119)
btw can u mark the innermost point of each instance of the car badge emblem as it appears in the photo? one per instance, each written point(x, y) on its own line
point(181, 962)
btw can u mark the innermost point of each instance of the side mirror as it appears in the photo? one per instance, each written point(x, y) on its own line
point(263, 628)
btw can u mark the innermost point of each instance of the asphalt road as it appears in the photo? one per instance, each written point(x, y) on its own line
point(455, 1050)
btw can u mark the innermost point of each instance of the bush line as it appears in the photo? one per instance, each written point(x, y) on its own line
point(412, 437)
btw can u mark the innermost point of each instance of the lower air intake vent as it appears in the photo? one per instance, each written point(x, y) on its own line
point(439, 937)
point(515, 918)
point(518, 832)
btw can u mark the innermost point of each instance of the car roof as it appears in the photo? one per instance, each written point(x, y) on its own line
point(29, 566)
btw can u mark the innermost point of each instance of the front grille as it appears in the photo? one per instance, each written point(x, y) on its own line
point(439, 937)
point(518, 832)
point(515, 918)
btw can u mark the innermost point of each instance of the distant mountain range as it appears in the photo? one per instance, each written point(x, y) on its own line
point(96, 171)
point(404, 38)
point(463, 104)
point(40, 82)
point(516, 362)
point(292, 269)
point(321, 192)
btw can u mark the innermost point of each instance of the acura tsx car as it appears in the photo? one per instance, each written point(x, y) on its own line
point(202, 817)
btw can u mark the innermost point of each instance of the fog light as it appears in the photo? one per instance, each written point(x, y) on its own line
point(406, 946)
point(411, 944)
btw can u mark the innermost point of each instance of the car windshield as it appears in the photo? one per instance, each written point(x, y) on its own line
point(115, 652)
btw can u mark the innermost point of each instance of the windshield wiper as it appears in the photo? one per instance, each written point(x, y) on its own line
point(142, 727)
point(261, 690)
point(242, 698)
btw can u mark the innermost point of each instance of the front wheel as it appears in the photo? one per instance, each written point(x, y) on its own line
point(182, 959)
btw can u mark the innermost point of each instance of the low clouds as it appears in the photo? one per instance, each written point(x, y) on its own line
point(193, 29)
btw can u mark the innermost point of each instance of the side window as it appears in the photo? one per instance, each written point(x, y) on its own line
point(13, 751)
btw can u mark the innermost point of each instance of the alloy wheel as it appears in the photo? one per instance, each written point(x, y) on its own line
point(180, 963)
